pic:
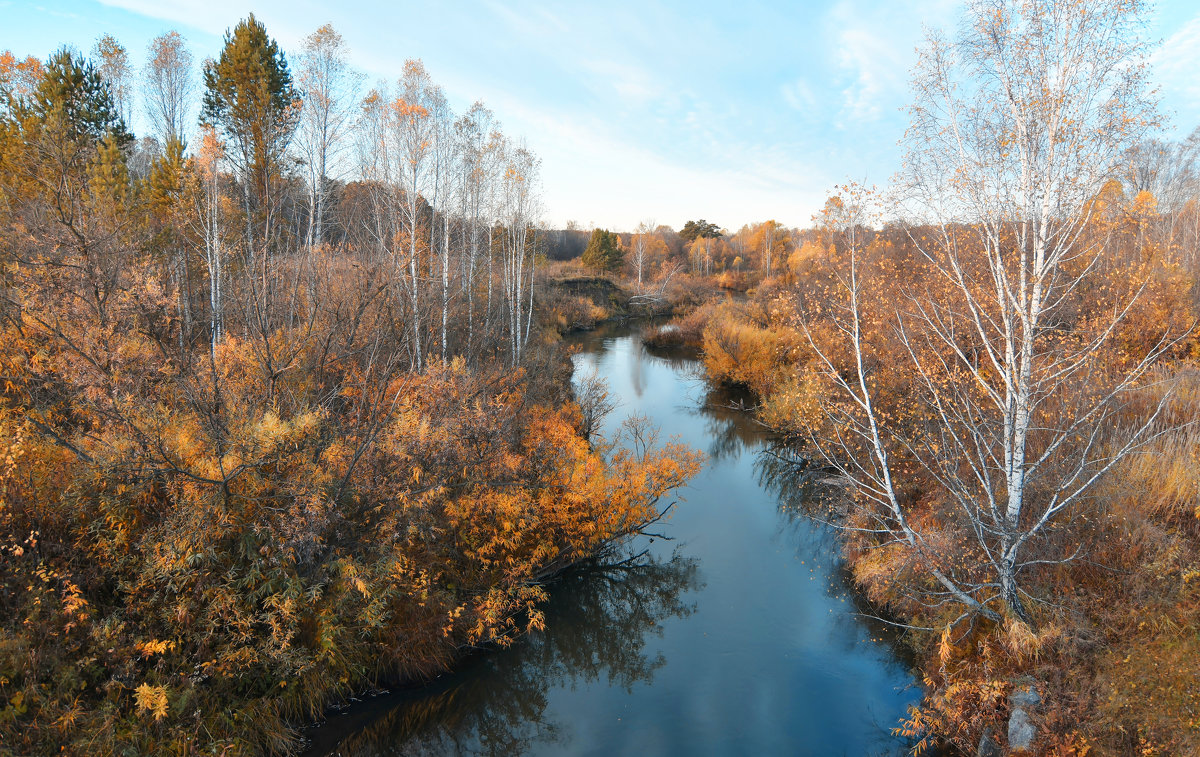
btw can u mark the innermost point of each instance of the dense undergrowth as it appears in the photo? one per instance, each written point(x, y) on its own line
point(149, 609)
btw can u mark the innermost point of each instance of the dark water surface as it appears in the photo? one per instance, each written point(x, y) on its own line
point(737, 637)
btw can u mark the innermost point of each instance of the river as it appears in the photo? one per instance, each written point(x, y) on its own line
point(738, 635)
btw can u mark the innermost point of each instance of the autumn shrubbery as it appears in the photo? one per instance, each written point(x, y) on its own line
point(233, 494)
point(686, 292)
point(160, 591)
point(1146, 676)
point(573, 298)
point(686, 330)
point(566, 312)
point(736, 281)
point(749, 345)
point(1115, 655)
point(742, 347)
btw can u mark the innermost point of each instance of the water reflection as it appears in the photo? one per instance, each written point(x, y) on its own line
point(601, 615)
point(810, 501)
point(803, 488)
point(730, 429)
point(637, 368)
point(769, 654)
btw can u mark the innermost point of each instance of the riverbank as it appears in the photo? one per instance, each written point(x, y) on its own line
point(572, 298)
point(737, 634)
point(1092, 654)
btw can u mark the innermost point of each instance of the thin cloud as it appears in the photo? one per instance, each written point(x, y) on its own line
point(1177, 72)
point(528, 23)
point(799, 96)
point(210, 16)
point(872, 54)
point(627, 80)
point(875, 49)
point(58, 13)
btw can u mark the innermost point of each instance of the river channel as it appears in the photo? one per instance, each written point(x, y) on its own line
point(738, 635)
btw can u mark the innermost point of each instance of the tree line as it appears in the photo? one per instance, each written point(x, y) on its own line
point(283, 159)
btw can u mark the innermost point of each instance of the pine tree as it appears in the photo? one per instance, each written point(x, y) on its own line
point(72, 97)
point(604, 252)
point(108, 174)
point(249, 97)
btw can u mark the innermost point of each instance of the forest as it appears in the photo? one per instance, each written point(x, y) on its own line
point(285, 414)
point(272, 436)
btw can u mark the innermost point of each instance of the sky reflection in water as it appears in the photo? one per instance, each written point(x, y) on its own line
point(738, 636)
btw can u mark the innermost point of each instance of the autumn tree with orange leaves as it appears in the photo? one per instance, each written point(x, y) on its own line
point(1017, 125)
point(243, 473)
point(997, 360)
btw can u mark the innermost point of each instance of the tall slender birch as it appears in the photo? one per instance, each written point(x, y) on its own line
point(1017, 124)
point(519, 202)
point(168, 85)
point(209, 213)
point(329, 88)
point(413, 132)
point(112, 61)
point(477, 148)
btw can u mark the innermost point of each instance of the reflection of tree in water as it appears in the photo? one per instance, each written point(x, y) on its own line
point(682, 360)
point(730, 427)
point(598, 620)
point(803, 487)
point(637, 366)
point(812, 501)
point(594, 345)
point(679, 358)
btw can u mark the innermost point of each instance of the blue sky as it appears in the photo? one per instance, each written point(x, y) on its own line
point(664, 111)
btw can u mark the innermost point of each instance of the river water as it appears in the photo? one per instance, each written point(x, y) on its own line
point(738, 635)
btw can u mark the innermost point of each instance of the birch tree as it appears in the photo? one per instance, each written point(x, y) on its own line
point(477, 138)
point(208, 218)
point(413, 133)
point(863, 447)
point(374, 165)
point(329, 88)
point(1170, 172)
point(641, 248)
point(168, 86)
point(769, 234)
point(447, 178)
point(1016, 125)
point(112, 63)
point(520, 203)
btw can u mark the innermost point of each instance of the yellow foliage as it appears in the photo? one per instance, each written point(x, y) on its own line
point(152, 699)
point(237, 465)
point(740, 349)
point(1024, 643)
point(795, 405)
point(153, 647)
